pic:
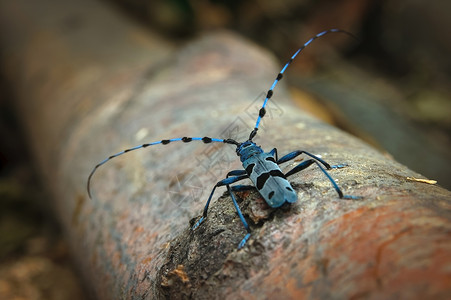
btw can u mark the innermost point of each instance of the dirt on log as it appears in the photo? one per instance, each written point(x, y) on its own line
point(89, 84)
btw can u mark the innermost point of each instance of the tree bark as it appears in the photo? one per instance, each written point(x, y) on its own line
point(89, 84)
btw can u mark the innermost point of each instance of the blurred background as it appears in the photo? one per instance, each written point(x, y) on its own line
point(390, 88)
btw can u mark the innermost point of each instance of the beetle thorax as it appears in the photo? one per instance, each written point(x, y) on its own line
point(248, 149)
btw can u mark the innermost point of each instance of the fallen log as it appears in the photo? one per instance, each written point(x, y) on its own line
point(89, 84)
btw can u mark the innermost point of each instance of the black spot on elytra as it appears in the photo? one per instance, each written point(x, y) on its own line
point(277, 173)
point(270, 158)
point(249, 169)
point(261, 180)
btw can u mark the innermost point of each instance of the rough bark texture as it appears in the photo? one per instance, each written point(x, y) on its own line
point(89, 84)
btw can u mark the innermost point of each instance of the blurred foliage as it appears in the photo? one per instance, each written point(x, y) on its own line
point(392, 40)
point(34, 258)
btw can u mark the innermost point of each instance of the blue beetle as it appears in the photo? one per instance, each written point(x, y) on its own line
point(262, 168)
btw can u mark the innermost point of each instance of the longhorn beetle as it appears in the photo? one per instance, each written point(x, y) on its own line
point(262, 168)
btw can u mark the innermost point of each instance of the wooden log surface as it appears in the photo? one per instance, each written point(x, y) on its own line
point(89, 83)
